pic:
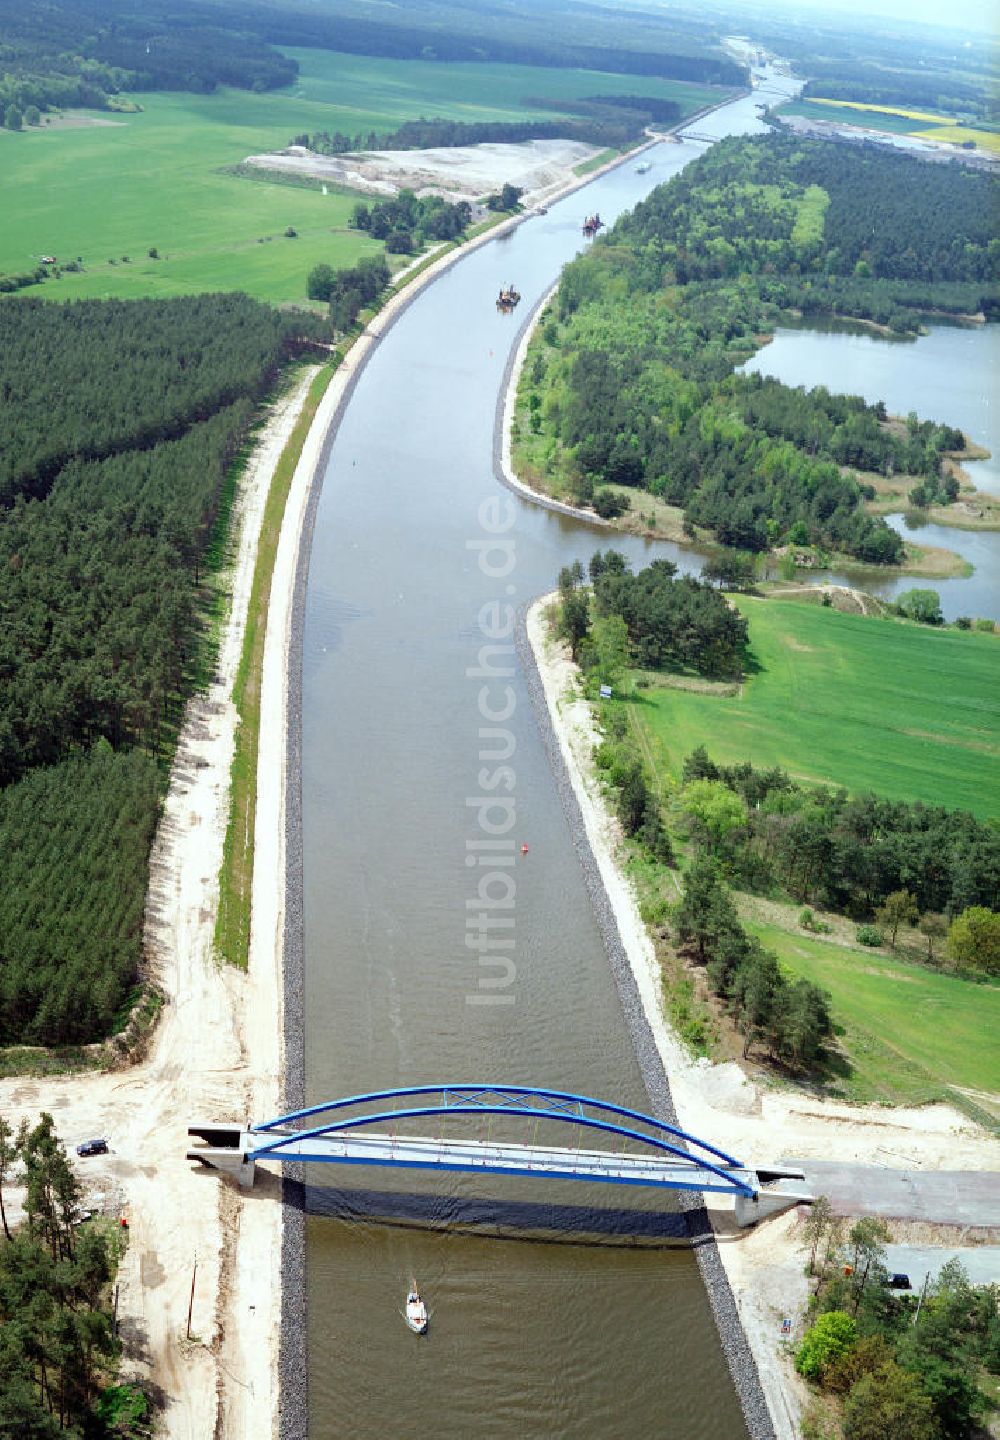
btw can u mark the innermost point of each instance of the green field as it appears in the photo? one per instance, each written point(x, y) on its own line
point(905, 710)
point(158, 178)
point(908, 1031)
point(871, 120)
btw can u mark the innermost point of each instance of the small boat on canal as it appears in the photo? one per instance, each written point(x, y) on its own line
point(507, 299)
point(415, 1313)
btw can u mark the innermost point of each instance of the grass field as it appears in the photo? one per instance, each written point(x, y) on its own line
point(905, 710)
point(159, 178)
point(921, 124)
point(908, 1030)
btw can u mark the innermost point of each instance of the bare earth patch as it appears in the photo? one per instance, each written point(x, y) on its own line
point(461, 172)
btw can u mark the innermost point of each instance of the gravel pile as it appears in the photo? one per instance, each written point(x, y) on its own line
point(742, 1365)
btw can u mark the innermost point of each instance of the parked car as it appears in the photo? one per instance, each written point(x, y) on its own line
point(899, 1282)
point(93, 1147)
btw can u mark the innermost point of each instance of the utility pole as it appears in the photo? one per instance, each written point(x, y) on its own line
point(920, 1302)
point(194, 1272)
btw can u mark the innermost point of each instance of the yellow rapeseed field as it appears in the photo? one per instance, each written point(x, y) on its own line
point(885, 110)
point(956, 134)
point(944, 126)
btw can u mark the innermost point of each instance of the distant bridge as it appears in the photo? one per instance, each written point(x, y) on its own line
point(699, 136)
point(377, 1129)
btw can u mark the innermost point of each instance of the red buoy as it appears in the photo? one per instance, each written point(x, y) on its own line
point(524, 849)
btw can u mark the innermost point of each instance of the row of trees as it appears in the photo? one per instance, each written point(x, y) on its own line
point(350, 290)
point(603, 120)
point(891, 1365)
point(849, 853)
point(789, 1018)
point(407, 223)
point(57, 1339)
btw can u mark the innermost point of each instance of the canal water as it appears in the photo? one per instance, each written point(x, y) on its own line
point(951, 374)
point(540, 1324)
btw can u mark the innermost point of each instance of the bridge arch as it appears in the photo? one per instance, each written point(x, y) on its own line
point(706, 1166)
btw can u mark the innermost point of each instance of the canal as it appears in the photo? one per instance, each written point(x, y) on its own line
point(539, 1326)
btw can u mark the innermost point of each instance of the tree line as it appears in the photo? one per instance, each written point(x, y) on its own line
point(407, 223)
point(602, 120)
point(790, 1019)
point(850, 853)
point(747, 205)
point(58, 1347)
point(127, 417)
point(564, 36)
point(96, 378)
point(73, 52)
point(349, 290)
point(635, 393)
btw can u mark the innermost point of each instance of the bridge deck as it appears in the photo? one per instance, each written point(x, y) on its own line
point(551, 1162)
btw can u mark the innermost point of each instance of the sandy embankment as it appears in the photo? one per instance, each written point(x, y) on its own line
point(719, 1102)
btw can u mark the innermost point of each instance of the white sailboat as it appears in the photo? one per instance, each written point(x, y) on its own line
point(415, 1313)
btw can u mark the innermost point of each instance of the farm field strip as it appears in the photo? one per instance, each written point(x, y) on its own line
point(853, 701)
point(897, 120)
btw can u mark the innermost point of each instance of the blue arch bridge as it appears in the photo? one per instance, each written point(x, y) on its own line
point(383, 1129)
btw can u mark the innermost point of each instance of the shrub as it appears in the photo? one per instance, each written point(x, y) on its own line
point(870, 935)
point(610, 503)
point(832, 1336)
point(809, 921)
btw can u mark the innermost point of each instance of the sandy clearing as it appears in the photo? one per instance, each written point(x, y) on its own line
point(721, 1104)
point(460, 172)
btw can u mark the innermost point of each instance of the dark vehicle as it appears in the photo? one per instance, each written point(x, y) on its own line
point(92, 1147)
point(899, 1282)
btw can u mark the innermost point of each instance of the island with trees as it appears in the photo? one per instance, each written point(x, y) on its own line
point(629, 398)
